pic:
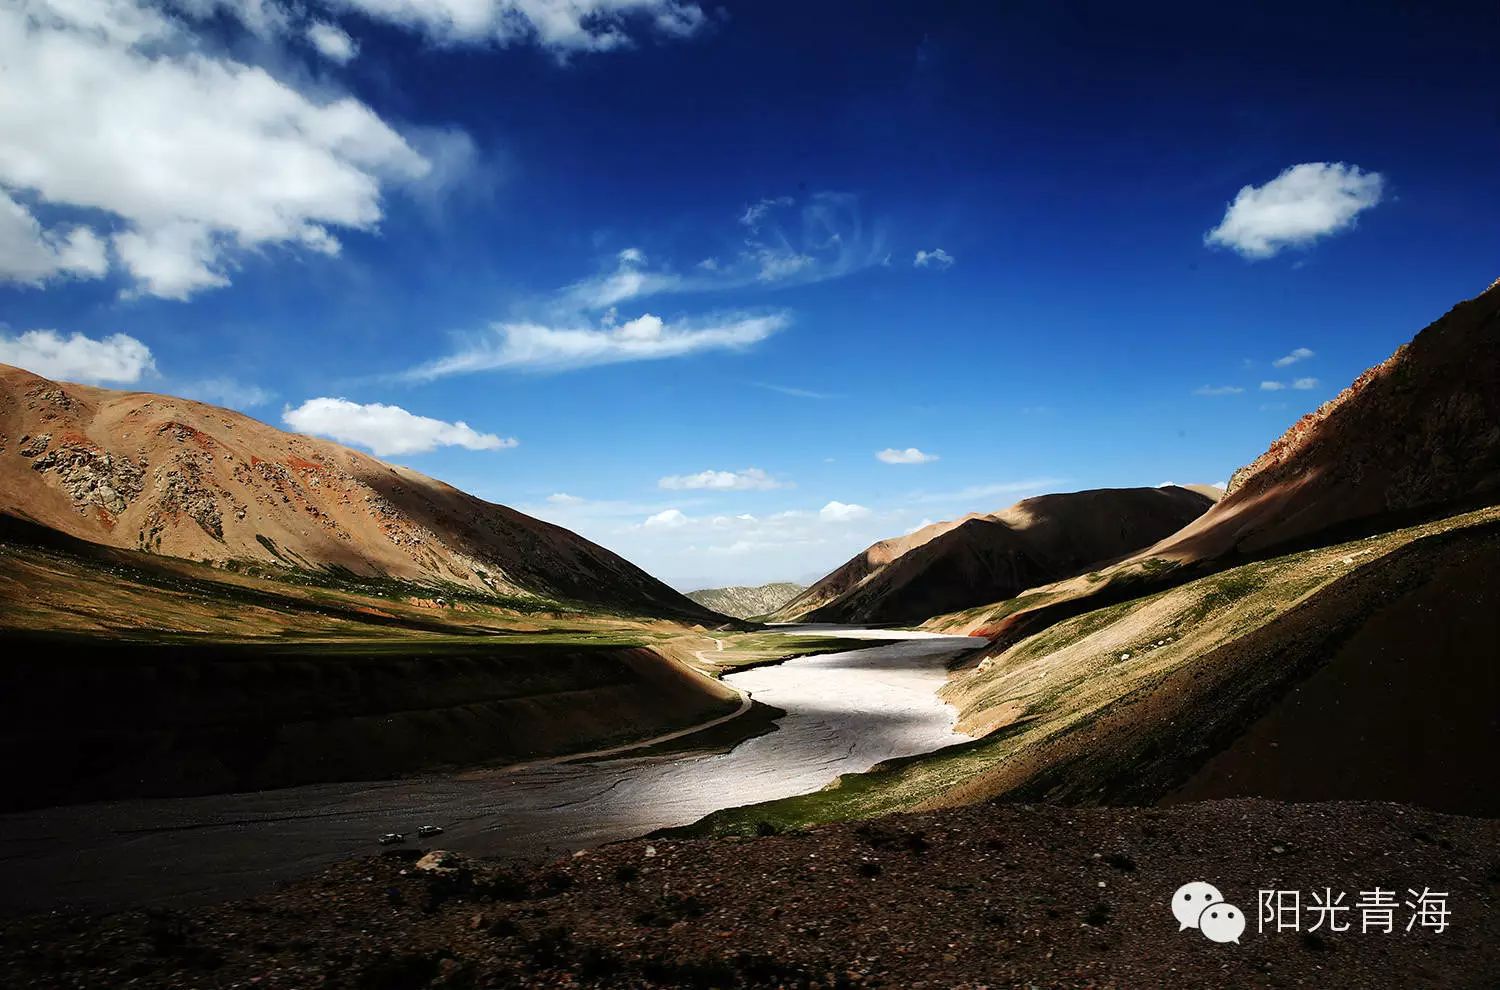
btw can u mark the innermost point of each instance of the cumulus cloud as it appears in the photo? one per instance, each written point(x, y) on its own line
point(117, 358)
point(385, 429)
point(646, 338)
point(191, 158)
point(561, 26)
point(563, 498)
point(226, 392)
point(840, 512)
point(32, 255)
point(1217, 390)
point(936, 258)
point(667, 519)
point(1305, 383)
point(1300, 205)
point(1297, 354)
point(750, 479)
point(332, 42)
point(910, 455)
point(1272, 386)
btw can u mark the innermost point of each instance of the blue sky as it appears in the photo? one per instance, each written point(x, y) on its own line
point(683, 270)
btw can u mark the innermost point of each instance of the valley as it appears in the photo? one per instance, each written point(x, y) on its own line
point(842, 712)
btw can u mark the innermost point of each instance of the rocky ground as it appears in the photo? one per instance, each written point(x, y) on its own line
point(990, 895)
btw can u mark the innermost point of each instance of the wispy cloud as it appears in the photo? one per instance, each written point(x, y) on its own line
point(1303, 203)
point(1297, 354)
point(535, 346)
point(385, 429)
point(226, 392)
point(1302, 384)
point(1217, 390)
point(563, 28)
point(972, 498)
point(824, 237)
point(750, 479)
point(800, 393)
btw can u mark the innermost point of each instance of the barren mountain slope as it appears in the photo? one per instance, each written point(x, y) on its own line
point(1417, 432)
point(743, 602)
point(986, 558)
point(859, 568)
point(1414, 437)
point(176, 477)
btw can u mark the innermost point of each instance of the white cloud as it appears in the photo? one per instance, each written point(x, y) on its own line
point(936, 258)
point(332, 42)
point(828, 240)
point(1305, 383)
point(226, 392)
point(194, 158)
point(1217, 390)
point(667, 519)
point(921, 525)
point(385, 429)
point(1297, 354)
point(629, 280)
point(76, 358)
point(840, 512)
point(1301, 204)
point(799, 393)
point(750, 479)
point(910, 455)
point(563, 498)
point(969, 498)
point(646, 338)
point(1272, 386)
point(561, 26)
point(31, 255)
point(756, 213)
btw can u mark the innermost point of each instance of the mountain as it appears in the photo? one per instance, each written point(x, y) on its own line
point(1416, 437)
point(984, 558)
point(184, 479)
point(1416, 434)
point(743, 602)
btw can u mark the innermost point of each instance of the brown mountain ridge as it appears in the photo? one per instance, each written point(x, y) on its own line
point(171, 476)
point(984, 558)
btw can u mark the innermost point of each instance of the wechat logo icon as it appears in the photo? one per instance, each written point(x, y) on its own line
point(1200, 905)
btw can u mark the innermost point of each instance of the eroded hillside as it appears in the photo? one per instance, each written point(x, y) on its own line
point(185, 479)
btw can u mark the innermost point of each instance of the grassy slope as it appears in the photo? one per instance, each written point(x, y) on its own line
point(1092, 709)
point(132, 673)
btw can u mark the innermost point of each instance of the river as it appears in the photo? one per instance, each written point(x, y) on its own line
point(845, 713)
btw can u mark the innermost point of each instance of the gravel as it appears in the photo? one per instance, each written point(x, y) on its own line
point(982, 896)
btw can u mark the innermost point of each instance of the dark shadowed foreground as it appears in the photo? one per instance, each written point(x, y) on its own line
point(987, 895)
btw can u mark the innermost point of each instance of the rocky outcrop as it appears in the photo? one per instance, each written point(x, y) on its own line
point(744, 602)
